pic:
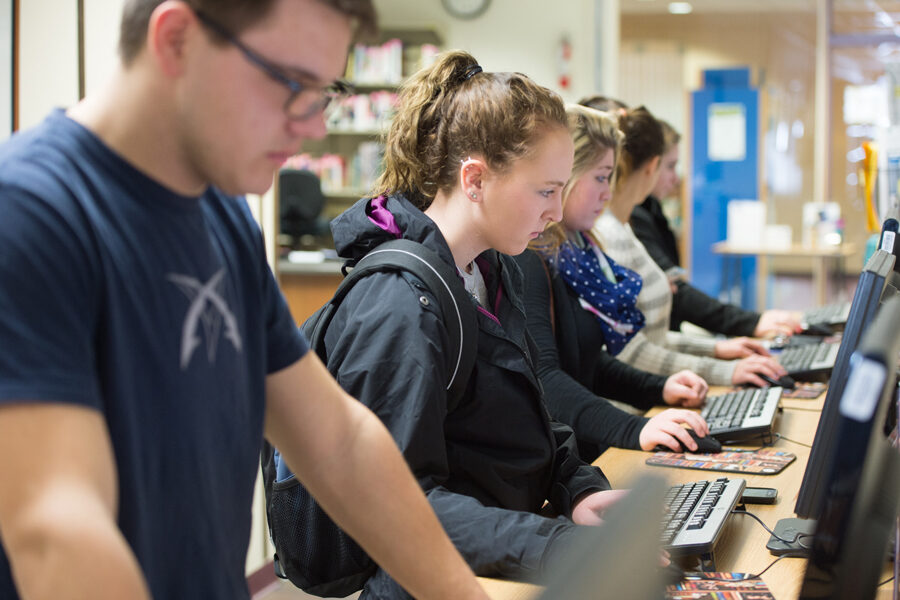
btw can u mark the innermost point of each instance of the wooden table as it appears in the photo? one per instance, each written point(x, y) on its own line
point(742, 546)
point(306, 287)
point(820, 256)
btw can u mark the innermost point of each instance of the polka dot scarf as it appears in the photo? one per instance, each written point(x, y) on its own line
point(613, 303)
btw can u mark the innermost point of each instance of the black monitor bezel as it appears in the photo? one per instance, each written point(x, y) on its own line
point(863, 488)
point(866, 300)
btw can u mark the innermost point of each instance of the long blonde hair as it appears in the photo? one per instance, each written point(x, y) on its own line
point(452, 110)
point(594, 133)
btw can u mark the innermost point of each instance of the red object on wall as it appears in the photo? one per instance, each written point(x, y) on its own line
point(565, 62)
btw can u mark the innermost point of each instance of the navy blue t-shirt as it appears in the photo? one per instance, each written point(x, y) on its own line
point(159, 311)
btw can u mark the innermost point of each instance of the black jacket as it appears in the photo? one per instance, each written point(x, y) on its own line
point(575, 368)
point(488, 466)
point(689, 304)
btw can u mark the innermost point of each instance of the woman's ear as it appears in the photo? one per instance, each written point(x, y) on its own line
point(652, 165)
point(471, 178)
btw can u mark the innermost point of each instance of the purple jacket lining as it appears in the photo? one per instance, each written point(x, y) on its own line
point(382, 217)
point(485, 311)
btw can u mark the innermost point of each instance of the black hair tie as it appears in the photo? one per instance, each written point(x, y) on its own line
point(470, 71)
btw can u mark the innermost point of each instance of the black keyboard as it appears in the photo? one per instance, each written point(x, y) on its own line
point(742, 412)
point(810, 362)
point(696, 512)
point(829, 314)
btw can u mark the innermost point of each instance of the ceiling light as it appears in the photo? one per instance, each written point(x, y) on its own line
point(680, 8)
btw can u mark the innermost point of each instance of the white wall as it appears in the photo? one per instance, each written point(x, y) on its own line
point(48, 58)
point(5, 68)
point(101, 36)
point(512, 35)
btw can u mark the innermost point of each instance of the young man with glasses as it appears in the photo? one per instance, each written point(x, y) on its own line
point(146, 348)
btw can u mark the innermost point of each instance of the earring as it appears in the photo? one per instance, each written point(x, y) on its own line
point(473, 195)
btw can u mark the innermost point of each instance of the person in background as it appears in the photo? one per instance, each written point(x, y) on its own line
point(146, 347)
point(651, 227)
point(569, 318)
point(614, 107)
point(655, 348)
point(475, 163)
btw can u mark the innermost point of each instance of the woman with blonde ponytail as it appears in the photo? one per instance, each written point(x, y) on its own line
point(475, 163)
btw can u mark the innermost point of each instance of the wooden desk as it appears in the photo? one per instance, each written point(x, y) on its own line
point(307, 287)
point(819, 255)
point(742, 547)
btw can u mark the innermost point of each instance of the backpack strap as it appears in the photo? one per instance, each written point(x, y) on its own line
point(457, 311)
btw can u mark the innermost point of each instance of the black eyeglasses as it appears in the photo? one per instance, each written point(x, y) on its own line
point(305, 101)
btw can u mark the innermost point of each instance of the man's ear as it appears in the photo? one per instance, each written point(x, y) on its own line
point(471, 178)
point(167, 32)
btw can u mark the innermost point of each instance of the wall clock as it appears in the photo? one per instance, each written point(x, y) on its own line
point(466, 9)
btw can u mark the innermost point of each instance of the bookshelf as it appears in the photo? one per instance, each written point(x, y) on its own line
point(348, 159)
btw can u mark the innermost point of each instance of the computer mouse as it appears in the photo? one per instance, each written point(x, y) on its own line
point(705, 445)
point(817, 329)
point(785, 381)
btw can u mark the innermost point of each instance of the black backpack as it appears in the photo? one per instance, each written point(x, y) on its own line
point(310, 549)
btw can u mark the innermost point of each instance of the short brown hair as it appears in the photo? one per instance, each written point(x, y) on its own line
point(452, 109)
point(234, 15)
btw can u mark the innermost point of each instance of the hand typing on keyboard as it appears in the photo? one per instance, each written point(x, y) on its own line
point(773, 322)
point(685, 388)
point(589, 509)
point(666, 429)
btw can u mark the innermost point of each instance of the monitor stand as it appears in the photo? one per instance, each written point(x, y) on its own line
point(789, 529)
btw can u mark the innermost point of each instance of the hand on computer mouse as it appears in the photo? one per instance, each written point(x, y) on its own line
point(739, 347)
point(747, 370)
point(820, 329)
point(705, 445)
point(666, 430)
point(785, 381)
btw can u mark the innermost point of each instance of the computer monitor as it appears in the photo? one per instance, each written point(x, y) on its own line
point(617, 559)
point(862, 492)
point(892, 285)
point(866, 300)
point(889, 242)
point(865, 303)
